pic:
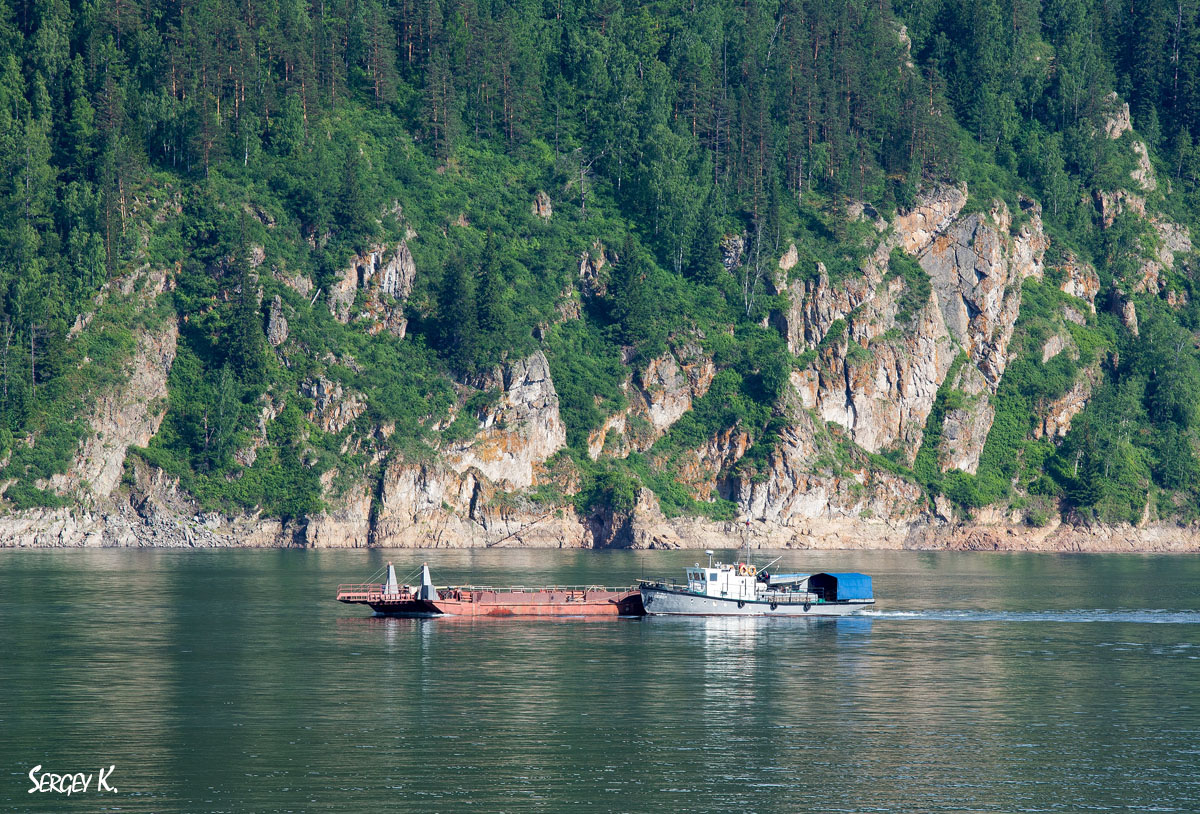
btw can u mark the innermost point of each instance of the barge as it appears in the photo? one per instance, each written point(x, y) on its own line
point(390, 598)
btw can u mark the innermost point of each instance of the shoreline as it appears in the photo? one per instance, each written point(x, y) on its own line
point(124, 528)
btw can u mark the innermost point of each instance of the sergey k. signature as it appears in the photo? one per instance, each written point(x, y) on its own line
point(68, 784)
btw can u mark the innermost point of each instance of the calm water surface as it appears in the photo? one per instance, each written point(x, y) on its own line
point(229, 681)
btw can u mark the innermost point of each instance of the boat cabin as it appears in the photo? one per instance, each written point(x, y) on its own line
point(729, 581)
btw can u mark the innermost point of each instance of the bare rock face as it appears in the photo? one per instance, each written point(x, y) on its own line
point(669, 386)
point(791, 491)
point(1129, 316)
point(1173, 240)
point(1143, 173)
point(859, 210)
point(930, 217)
point(643, 528)
point(976, 270)
point(732, 248)
point(396, 277)
point(591, 263)
point(880, 388)
point(520, 432)
point(1112, 204)
point(1058, 414)
point(127, 415)
point(790, 258)
point(1117, 123)
point(1081, 281)
point(334, 409)
point(430, 506)
point(879, 378)
point(1053, 347)
point(388, 282)
point(297, 282)
point(702, 468)
point(965, 429)
point(345, 525)
point(541, 206)
point(277, 326)
point(815, 305)
point(669, 389)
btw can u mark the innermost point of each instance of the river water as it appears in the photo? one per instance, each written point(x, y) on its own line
point(229, 681)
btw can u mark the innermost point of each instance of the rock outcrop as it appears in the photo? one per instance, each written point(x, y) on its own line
point(732, 248)
point(815, 304)
point(333, 407)
point(1117, 122)
point(124, 416)
point(666, 390)
point(591, 264)
point(277, 326)
point(793, 489)
point(879, 376)
point(976, 269)
point(1080, 281)
point(965, 429)
point(931, 217)
point(387, 280)
point(431, 506)
point(1058, 414)
point(880, 386)
point(520, 432)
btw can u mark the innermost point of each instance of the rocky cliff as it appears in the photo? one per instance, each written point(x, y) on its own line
point(873, 348)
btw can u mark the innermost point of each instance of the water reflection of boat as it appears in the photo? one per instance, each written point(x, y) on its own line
point(740, 589)
point(390, 598)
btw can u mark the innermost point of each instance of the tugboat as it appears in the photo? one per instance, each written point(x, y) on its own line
point(740, 589)
point(390, 598)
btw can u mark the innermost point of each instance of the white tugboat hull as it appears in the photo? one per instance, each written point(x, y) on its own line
point(666, 602)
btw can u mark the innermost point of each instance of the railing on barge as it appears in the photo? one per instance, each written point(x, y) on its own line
point(371, 592)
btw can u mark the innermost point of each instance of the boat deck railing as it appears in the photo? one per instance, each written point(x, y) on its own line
point(373, 591)
point(778, 597)
point(537, 589)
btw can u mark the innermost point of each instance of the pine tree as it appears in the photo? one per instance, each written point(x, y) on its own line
point(247, 342)
point(458, 317)
point(632, 308)
point(496, 318)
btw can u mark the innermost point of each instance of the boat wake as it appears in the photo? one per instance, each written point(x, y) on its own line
point(1134, 616)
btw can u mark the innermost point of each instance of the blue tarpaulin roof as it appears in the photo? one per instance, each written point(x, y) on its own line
point(849, 585)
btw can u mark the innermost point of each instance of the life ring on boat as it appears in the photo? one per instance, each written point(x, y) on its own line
point(747, 570)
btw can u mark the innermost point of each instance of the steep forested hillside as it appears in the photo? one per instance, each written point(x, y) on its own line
point(412, 270)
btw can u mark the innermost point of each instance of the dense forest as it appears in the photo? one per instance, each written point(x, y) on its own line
point(186, 134)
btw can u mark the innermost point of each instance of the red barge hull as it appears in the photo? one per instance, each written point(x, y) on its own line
point(473, 601)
